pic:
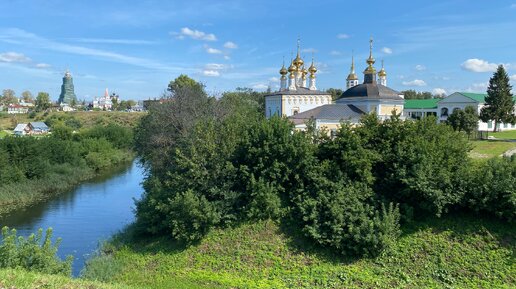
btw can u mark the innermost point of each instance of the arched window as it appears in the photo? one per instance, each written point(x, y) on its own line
point(455, 109)
point(444, 111)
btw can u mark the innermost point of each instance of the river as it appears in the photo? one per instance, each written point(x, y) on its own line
point(85, 216)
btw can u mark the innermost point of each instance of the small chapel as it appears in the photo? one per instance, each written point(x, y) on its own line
point(301, 103)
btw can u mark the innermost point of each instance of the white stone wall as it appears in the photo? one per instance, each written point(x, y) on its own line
point(302, 103)
point(272, 105)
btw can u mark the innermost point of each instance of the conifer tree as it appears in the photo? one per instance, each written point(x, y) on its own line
point(499, 103)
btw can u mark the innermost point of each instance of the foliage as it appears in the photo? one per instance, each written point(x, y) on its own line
point(464, 120)
point(492, 187)
point(412, 94)
point(35, 253)
point(8, 97)
point(455, 251)
point(42, 102)
point(335, 92)
point(499, 103)
point(27, 96)
point(183, 82)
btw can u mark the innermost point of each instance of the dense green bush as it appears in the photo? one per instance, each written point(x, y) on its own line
point(35, 253)
point(492, 187)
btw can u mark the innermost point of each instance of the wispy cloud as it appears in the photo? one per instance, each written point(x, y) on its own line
point(439, 91)
point(211, 73)
point(513, 77)
point(478, 65)
point(478, 87)
point(420, 67)
point(342, 36)
point(309, 50)
point(194, 34)
point(230, 45)
point(36, 41)
point(212, 50)
point(114, 41)
point(215, 66)
point(415, 82)
point(513, 6)
point(386, 50)
point(335, 53)
point(13, 57)
point(42, 65)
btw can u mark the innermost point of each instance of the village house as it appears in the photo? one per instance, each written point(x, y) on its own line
point(17, 109)
point(32, 128)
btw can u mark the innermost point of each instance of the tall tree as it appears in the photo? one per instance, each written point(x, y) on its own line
point(184, 82)
point(27, 96)
point(43, 101)
point(464, 120)
point(335, 92)
point(8, 97)
point(499, 103)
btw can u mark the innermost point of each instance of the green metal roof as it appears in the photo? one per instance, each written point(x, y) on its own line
point(421, 103)
point(478, 97)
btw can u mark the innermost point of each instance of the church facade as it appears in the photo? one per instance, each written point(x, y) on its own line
point(371, 96)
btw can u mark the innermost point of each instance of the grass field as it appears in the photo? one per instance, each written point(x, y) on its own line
point(87, 118)
point(510, 134)
point(459, 251)
point(490, 148)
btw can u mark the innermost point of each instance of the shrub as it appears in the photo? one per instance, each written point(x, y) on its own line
point(492, 188)
point(35, 253)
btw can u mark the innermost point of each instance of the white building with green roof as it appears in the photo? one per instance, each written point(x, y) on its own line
point(442, 108)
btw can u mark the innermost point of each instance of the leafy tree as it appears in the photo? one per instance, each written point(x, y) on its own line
point(184, 82)
point(412, 94)
point(335, 92)
point(464, 120)
point(27, 96)
point(43, 101)
point(8, 97)
point(499, 103)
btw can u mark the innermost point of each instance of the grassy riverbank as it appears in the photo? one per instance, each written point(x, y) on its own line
point(61, 179)
point(459, 251)
point(21, 279)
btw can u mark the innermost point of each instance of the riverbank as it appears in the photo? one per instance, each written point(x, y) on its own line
point(460, 251)
point(63, 178)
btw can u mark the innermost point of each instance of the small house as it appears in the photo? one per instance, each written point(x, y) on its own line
point(22, 129)
point(38, 127)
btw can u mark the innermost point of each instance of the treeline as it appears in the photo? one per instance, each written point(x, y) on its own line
point(218, 162)
point(34, 168)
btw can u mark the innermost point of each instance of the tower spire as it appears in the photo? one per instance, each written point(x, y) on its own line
point(370, 71)
point(352, 78)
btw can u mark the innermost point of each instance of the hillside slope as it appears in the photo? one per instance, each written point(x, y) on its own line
point(455, 251)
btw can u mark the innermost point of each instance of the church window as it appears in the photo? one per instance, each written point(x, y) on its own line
point(444, 111)
point(490, 124)
point(295, 110)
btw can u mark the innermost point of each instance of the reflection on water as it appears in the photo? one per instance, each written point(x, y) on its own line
point(85, 216)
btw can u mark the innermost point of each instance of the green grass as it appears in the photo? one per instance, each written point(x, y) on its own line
point(460, 251)
point(20, 279)
point(490, 148)
point(510, 134)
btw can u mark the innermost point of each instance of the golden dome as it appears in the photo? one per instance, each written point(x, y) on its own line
point(312, 68)
point(283, 70)
point(352, 75)
point(298, 61)
point(370, 61)
point(292, 68)
point(382, 71)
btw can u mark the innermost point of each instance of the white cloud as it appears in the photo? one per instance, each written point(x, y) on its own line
point(214, 66)
point(420, 67)
point(513, 77)
point(230, 45)
point(226, 57)
point(211, 73)
point(335, 53)
point(309, 50)
point(42, 65)
point(513, 6)
point(478, 65)
point(439, 91)
point(195, 34)
point(273, 79)
point(259, 86)
point(13, 57)
point(386, 50)
point(415, 82)
point(342, 36)
point(478, 87)
point(211, 50)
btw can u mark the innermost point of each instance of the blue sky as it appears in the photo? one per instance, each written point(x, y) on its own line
point(136, 47)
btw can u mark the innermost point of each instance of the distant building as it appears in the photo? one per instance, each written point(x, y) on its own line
point(442, 108)
point(67, 95)
point(296, 95)
point(301, 104)
point(22, 129)
point(17, 108)
point(38, 127)
point(105, 102)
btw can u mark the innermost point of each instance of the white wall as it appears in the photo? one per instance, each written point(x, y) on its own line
point(272, 105)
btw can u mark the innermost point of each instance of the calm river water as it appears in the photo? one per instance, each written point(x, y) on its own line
point(85, 216)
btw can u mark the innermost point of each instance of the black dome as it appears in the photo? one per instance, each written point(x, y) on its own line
point(371, 90)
